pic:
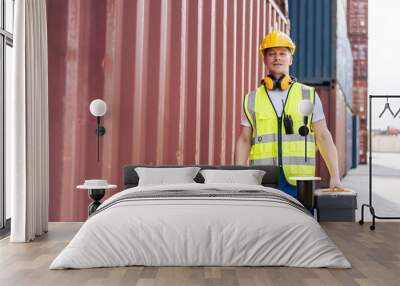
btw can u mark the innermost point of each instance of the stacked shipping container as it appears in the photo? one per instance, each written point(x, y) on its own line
point(357, 17)
point(173, 74)
point(324, 60)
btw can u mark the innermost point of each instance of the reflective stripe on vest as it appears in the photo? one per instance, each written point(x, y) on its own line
point(285, 160)
point(264, 122)
point(287, 138)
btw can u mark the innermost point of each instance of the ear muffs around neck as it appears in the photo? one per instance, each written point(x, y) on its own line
point(282, 83)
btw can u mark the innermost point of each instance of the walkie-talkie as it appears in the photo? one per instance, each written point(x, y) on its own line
point(287, 121)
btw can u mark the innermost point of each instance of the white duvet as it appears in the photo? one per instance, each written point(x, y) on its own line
point(200, 231)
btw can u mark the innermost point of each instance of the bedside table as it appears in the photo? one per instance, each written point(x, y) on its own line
point(96, 190)
point(305, 190)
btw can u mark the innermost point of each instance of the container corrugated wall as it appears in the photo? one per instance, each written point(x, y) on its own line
point(312, 31)
point(328, 99)
point(344, 56)
point(173, 74)
point(336, 112)
point(357, 16)
point(323, 59)
point(318, 27)
point(356, 141)
point(349, 139)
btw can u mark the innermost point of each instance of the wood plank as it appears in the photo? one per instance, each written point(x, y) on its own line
point(374, 255)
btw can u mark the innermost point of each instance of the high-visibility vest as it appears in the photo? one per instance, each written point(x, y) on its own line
point(270, 144)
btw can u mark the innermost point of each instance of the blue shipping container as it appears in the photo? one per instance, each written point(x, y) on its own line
point(356, 141)
point(323, 54)
point(349, 139)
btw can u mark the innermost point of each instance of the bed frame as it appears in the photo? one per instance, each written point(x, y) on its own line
point(270, 179)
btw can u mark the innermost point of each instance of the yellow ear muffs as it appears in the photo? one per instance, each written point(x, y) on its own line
point(285, 82)
point(269, 82)
point(282, 83)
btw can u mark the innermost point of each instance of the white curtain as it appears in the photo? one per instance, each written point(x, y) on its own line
point(27, 155)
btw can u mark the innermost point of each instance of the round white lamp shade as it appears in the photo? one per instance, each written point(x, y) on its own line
point(305, 107)
point(98, 107)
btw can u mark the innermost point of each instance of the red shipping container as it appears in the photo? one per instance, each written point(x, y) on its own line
point(173, 74)
point(335, 109)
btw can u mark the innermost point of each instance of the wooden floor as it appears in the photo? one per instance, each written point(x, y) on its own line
point(374, 255)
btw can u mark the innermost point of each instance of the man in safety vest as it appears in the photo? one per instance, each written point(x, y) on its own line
point(271, 121)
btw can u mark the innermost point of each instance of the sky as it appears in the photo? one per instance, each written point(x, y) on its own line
point(384, 59)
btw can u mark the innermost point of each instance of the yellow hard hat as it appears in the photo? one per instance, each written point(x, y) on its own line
point(277, 39)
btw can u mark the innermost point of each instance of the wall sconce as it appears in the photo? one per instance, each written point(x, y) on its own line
point(98, 108)
point(305, 108)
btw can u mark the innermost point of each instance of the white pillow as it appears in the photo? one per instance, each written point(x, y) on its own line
point(248, 177)
point(162, 176)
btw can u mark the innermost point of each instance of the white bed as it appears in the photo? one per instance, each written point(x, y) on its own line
point(185, 230)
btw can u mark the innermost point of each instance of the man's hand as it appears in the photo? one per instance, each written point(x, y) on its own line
point(335, 183)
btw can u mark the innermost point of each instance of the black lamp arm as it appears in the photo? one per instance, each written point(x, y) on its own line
point(100, 130)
